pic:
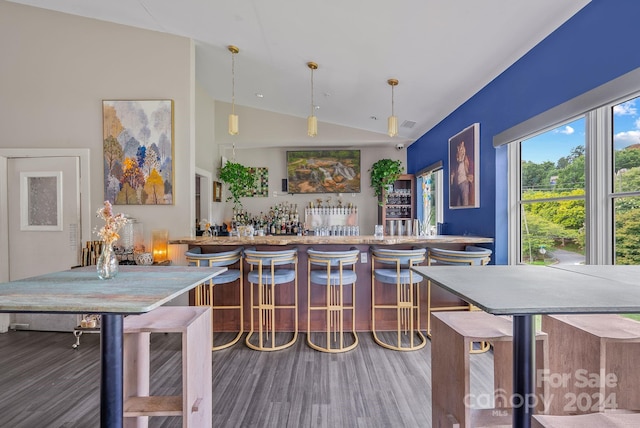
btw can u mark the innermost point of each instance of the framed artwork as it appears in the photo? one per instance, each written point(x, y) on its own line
point(323, 171)
point(41, 201)
point(217, 191)
point(464, 166)
point(138, 152)
point(261, 187)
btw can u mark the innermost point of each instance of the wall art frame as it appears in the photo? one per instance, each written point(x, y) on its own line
point(138, 149)
point(464, 168)
point(324, 171)
point(217, 191)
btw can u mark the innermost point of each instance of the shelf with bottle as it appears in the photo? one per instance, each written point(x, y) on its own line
point(400, 200)
point(281, 219)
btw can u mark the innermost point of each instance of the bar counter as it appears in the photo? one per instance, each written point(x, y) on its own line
point(439, 297)
point(427, 241)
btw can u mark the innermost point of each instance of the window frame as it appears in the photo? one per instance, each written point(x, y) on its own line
point(599, 187)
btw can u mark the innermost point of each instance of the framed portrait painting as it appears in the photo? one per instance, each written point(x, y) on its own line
point(138, 151)
point(464, 167)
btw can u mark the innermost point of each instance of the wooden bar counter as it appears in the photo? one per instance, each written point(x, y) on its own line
point(363, 243)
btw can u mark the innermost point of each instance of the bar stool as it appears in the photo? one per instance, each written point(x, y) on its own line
point(471, 256)
point(204, 292)
point(407, 294)
point(338, 271)
point(268, 271)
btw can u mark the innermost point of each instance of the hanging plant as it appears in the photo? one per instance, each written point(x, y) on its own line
point(384, 173)
point(239, 179)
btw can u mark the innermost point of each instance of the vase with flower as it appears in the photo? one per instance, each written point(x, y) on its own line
point(107, 263)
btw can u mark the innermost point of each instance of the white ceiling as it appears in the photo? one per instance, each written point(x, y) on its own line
point(441, 51)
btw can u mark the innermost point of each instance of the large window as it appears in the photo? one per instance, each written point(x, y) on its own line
point(626, 182)
point(430, 195)
point(578, 190)
point(552, 195)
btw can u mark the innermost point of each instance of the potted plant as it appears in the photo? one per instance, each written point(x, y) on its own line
point(239, 178)
point(383, 174)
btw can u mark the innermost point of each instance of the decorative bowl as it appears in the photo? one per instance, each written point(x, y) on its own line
point(143, 259)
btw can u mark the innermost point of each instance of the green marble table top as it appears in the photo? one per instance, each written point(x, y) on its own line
point(529, 290)
point(136, 289)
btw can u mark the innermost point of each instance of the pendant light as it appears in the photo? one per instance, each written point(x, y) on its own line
point(392, 123)
point(312, 120)
point(233, 117)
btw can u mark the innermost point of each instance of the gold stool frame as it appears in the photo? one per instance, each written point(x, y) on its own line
point(334, 307)
point(458, 258)
point(203, 295)
point(407, 296)
point(266, 305)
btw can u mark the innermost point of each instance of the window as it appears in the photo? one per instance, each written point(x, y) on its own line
point(626, 182)
point(552, 195)
point(430, 196)
point(575, 189)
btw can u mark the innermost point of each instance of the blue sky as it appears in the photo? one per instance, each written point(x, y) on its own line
point(554, 144)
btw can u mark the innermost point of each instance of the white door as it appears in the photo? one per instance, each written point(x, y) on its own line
point(43, 198)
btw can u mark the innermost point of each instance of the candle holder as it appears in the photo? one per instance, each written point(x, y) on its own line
point(160, 239)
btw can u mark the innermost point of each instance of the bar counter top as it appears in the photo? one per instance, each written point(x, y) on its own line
point(332, 240)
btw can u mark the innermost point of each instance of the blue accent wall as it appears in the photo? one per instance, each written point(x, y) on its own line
point(598, 44)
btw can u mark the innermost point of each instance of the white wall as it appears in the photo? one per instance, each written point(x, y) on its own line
point(55, 71)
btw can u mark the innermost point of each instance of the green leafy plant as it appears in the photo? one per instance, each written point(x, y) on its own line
point(384, 173)
point(239, 178)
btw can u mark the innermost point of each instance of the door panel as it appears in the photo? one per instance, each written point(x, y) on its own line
point(44, 225)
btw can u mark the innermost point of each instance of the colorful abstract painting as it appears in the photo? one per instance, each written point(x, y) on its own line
point(138, 152)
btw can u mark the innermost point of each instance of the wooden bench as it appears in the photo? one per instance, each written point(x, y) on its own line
point(195, 404)
point(592, 420)
point(453, 332)
point(592, 363)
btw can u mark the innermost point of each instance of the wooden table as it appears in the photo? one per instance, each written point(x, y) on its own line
point(524, 291)
point(135, 290)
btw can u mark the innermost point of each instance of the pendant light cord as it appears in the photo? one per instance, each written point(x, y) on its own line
point(311, 91)
point(233, 83)
point(392, 101)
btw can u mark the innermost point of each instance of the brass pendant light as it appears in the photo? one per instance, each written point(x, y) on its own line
point(233, 117)
point(312, 120)
point(392, 123)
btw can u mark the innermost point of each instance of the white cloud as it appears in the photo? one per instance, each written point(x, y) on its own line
point(624, 139)
point(567, 130)
point(626, 109)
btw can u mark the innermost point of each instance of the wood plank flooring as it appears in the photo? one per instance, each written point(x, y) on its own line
point(46, 383)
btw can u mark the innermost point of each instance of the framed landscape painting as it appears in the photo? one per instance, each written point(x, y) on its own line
point(464, 166)
point(323, 171)
point(138, 152)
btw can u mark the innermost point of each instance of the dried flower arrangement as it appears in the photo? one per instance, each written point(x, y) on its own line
point(113, 223)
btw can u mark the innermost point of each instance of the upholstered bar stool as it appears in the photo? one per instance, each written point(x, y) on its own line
point(391, 268)
point(334, 270)
point(232, 260)
point(471, 256)
point(269, 271)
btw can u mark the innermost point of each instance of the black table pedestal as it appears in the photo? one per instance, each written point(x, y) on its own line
point(111, 400)
point(524, 348)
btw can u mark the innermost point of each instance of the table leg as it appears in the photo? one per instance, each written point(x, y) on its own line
point(111, 371)
point(524, 348)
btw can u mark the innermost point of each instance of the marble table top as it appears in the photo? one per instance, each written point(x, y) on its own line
point(136, 289)
point(528, 290)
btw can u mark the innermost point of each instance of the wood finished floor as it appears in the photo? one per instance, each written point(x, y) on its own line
point(46, 383)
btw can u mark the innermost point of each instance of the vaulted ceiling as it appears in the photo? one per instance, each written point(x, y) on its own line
point(441, 51)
